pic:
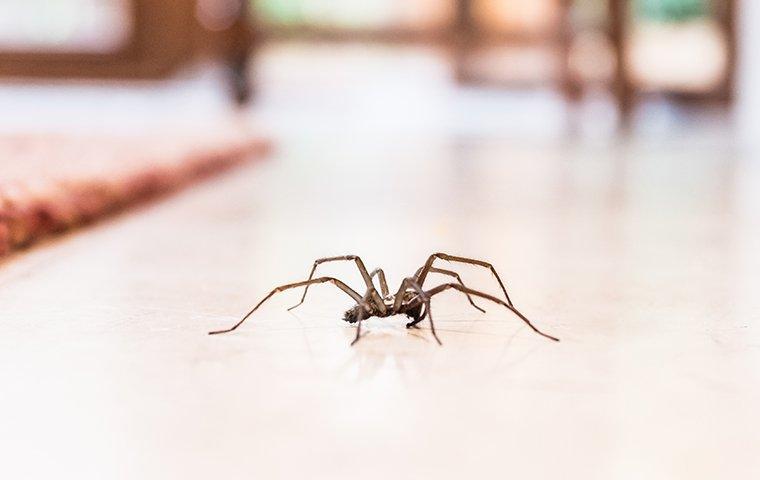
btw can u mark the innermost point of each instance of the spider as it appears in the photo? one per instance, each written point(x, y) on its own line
point(408, 300)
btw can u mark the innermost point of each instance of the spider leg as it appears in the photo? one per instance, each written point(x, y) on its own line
point(383, 284)
point(422, 317)
point(456, 286)
point(374, 296)
point(450, 258)
point(451, 274)
point(282, 288)
point(360, 318)
point(423, 296)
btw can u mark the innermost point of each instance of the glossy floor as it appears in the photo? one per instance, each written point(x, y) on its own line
point(643, 260)
point(640, 254)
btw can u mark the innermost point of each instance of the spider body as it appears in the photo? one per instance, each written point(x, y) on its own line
point(411, 309)
point(409, 299)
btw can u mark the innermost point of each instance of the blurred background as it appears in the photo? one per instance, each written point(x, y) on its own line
point(602, 154)
point(510, 66)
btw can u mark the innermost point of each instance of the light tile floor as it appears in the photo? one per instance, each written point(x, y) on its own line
point(641, 255)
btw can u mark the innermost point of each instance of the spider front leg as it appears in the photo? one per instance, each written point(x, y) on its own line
point(410, 282)
point(306, 283)
point(456, 286)
point(471, 261)
point(360, 317)
point(373, 295)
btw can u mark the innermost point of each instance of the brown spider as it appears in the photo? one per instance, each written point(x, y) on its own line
point(408, 300)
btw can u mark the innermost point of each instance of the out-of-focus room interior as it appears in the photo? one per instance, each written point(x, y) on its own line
point(165, 164)
point(600, 63)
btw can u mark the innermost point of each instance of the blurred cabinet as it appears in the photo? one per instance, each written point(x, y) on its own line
point(682, 49)
point(122, 39)
point(685, 49)
point(511, 42)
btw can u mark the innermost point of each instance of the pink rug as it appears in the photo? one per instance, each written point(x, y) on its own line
point(54, 183)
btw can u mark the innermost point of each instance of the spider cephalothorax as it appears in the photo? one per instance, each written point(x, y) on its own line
point(408, 300)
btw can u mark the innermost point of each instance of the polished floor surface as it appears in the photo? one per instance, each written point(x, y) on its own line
point(641, 254)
